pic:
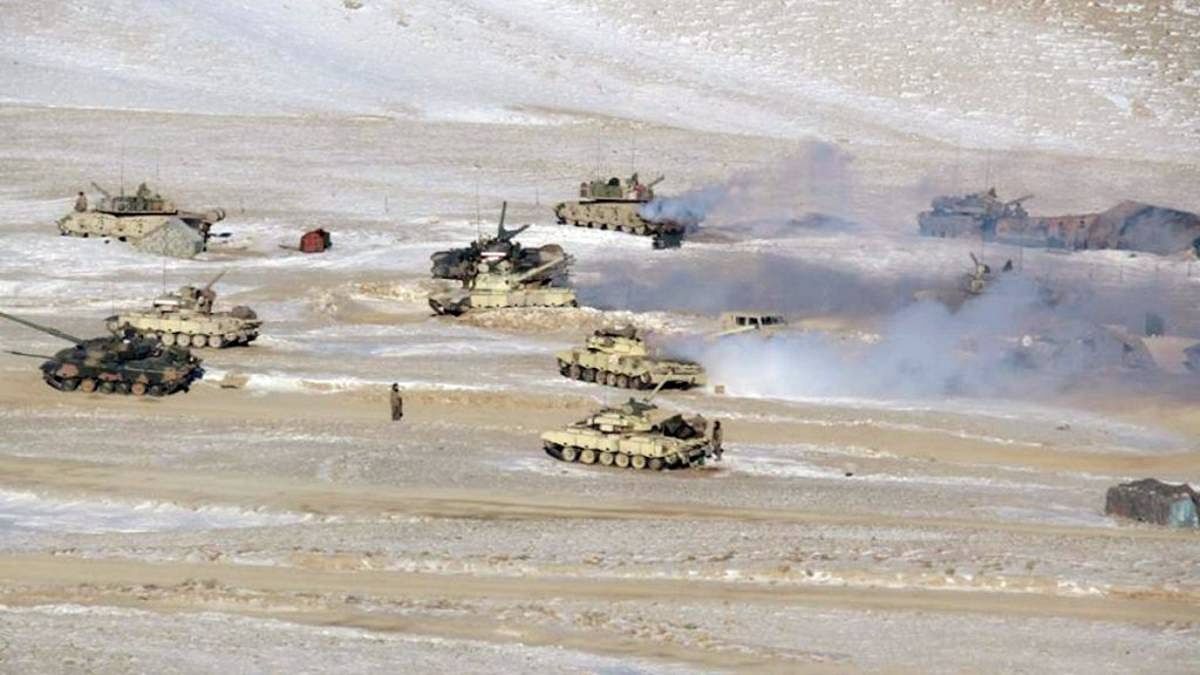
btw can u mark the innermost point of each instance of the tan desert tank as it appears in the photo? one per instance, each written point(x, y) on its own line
point(618, 205)
point(632, 436)
point(122, 363)
point(496, 284)
point(618, 357)
point(136, 217)
point(186, 318)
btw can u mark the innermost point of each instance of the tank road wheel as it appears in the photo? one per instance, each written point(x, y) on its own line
point(155, 390)
point(69, 384)
point(569, 454)
point(107, 387)
point(644, 382)
point(622, 460)
point(199, 341)
point(656, 464)
point(623, 381)
point(138, 389)
point(183, 340)
point(575, 372)
point(588, 456)
point(168, 339)
point(606, 458)
point(639, 462)
point(122, 387)
point(589, 375)
point(216, 341)
point(87, 385)
point(610, 379)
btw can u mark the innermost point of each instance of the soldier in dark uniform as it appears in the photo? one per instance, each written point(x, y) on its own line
point(397, 403)
point(717, 434)
point(81, 203)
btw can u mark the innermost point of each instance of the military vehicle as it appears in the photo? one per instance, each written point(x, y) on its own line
point(619, 205)
point(495, 285)
point(134, 217)
point(186, 318)
point(618, 357)
point(973, 214)
point(628, 436)
point(460, 264)
point(736, 323)
point(1191, 357)
point(123, 363)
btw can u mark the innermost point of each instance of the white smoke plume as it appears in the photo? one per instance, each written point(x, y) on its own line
point(1005, 343)
point(816, 179)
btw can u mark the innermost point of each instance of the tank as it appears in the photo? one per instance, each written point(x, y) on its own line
point(134, 217)
point(631, 436)
point(618, 357)
point(494, 282)
point(123, 363)
point(186, 318)
point(460, 264)
point(619, 205)
point(975, 214)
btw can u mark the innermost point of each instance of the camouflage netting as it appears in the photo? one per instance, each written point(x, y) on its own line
point(1153, 501)
point(174, 238)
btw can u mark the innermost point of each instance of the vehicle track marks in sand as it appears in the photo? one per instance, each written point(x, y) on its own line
point(365, 501)
point(33, 579)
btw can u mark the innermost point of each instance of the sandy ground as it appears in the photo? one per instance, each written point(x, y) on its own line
point(284, 523)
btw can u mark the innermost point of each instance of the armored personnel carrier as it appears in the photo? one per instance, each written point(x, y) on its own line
point(186, 318)
point(495, 285)
point(619, 205)
point(974, 214)
point(628, 436)
point(124, 363)
point(618, 357)
point(460, 264)
point(134, 217)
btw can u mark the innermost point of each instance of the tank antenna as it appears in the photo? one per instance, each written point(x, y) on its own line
point(478, 209)
point(122, 166)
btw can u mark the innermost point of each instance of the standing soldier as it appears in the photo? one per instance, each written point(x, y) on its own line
point(717, 435)
point(81, 203)
point(397, 403)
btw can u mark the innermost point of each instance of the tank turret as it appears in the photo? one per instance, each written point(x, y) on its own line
point(124, 363)
point(632, 435)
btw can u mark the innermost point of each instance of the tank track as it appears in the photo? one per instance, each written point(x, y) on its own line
point(100, 385)
point(203, 340)
point(455, 310)
point(622, 460)
point(664, 237)
point(574, 371)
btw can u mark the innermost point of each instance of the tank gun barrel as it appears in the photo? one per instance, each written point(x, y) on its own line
point(215, 279)
point(503, 234)
point(104, 192)
point(543, 267)
point(656, 181)
point(1018, 200)
point(49, 331)
point(32, 356)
